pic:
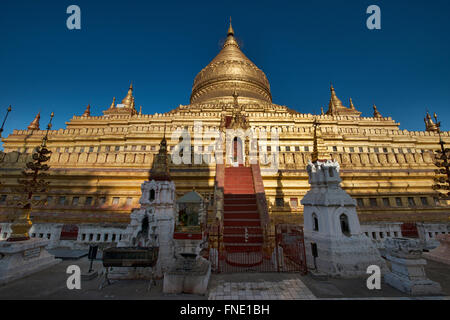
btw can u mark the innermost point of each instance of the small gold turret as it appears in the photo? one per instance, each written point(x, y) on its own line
point(376, 114)
point(113, 104)
point(34, 125)
point(352, 106)
point(128, 101)
point(336, 108)
point(87, 112)
point(335, 103)
point(430, 125)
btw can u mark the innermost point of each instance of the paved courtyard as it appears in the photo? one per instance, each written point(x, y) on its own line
point(51, 284)
point(292, 289)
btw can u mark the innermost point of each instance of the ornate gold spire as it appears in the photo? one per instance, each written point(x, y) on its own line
point(34, 125)
point(352, 106)
point(126, 107)
point(319, 150)
point(376, 113)
point(128, 101)
point(429, 123)
point(160, 167)
point(113, 104)
point(230, 30)
point(87, 112)
point(228, 71)
point(140, 110)
point(335, 106)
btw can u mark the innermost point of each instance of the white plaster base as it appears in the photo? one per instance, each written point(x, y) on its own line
point(442, 252)
point(22, 258)
point(408, 275)
point(340, 256)
point(176, 281)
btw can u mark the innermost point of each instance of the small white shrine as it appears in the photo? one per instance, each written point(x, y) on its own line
point(152, 225)
point(334, 242)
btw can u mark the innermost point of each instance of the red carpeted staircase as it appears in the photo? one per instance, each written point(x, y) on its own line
point(242, 233)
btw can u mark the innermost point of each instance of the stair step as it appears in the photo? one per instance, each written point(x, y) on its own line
point(232, 216)
point(241, 239)
point(249, 223)
point(240, 207)
point(241, 230)
point(240, 197)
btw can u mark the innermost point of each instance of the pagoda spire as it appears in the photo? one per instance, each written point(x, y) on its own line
point(352, 106)
point(335, 103)
point(87, 112)
point(376, 113)
point(128, 101)
point(160, 167)
point(34, 125)
point(113, 104)
point(230, 29)
point(231, 41)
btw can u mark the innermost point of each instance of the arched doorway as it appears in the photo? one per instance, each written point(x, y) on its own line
point(238, 153)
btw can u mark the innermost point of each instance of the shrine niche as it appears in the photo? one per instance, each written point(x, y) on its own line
point(190, 213)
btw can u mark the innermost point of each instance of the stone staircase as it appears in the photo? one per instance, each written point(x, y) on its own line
point(242, 233)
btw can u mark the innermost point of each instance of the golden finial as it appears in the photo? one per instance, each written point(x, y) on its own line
point(321, 111)
point(87, 112)
point(34, 125)
point(352, 106)
point(430, 125)
point(140, 110)
point(376, 114)
point(230, 29)
point(128, 100)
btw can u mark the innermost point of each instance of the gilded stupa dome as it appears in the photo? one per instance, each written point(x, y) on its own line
point(229, 72)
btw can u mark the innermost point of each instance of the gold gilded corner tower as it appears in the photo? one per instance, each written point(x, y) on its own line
point(98, 163)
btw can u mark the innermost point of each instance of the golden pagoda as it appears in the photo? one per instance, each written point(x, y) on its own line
point(99, 162)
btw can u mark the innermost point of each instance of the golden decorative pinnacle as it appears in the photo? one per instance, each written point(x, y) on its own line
point(430, 125)
point(34, 125)
point(352, 106)
point(128, 101)
point(34, 182)
point(376, 114)
point(87, 112)
point(230, 30)
point(113, 104)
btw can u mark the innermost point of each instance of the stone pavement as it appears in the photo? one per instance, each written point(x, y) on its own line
point(292, 289)
point(50, 284)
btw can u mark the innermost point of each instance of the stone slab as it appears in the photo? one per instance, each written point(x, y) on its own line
point(22, 258)
point(67, 254)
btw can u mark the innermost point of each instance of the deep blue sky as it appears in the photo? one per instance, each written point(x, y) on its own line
point(161, 46)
